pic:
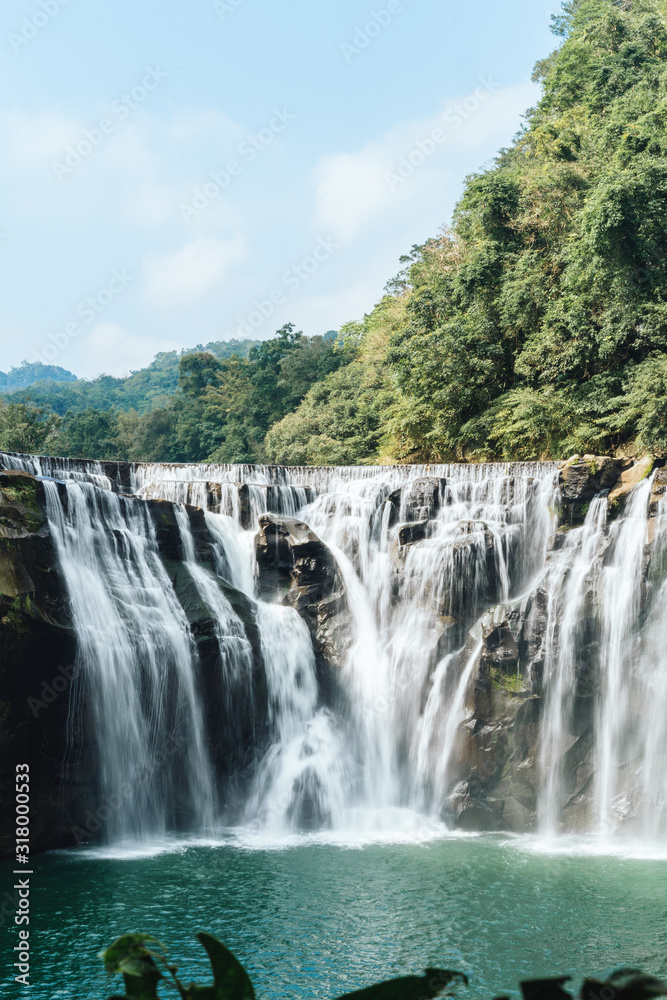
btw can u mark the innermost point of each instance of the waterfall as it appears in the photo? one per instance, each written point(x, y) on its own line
point(486, 540)
point(300, 781)
point(569, 587)
point(621, 643)
point(180, 659)
point(136, 666)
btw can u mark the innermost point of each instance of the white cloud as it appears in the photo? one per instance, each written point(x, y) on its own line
point(178, 277)
point(33, 140)
point(353, 188)
point(109, 347)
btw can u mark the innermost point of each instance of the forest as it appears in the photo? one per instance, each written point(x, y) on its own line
point(532, 327)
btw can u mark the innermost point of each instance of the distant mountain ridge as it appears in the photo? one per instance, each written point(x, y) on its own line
point(28, 374)
point(143, 390)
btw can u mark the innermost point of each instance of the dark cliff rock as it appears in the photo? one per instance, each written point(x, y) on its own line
point(495, 771)
point(583, 479)
point(168, 535)
point(39, 676)
point(418, 501)
point(417, 531)
point(295, 566)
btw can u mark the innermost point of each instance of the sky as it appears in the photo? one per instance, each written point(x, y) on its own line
point(175, 173)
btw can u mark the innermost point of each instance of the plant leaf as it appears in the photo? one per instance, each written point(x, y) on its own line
point(409, 987)
point(627, 984)
point(545, 989)
point(129, 957)
point(231, 980)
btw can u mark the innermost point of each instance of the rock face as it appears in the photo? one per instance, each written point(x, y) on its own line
point(495, 767)
point(37, 635)
point(628, 480)
point(419, 501)
point(583, 479)
point(295, 566)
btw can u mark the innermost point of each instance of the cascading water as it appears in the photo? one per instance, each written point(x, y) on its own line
point(569, 588)
point(300, 781)
point(136, 665)
point(420, 566)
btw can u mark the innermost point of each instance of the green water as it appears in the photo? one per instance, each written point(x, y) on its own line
point(317, 920)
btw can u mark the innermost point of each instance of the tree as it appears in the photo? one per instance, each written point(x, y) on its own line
point(26, 428)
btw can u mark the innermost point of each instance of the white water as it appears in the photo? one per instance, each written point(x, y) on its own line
point(136, 666)
point(300, 781)
point(380, 762)
point(567, 586)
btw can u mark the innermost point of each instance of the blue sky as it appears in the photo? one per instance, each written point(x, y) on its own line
point(175, 173)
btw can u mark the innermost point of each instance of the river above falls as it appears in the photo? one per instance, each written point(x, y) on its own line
point(317, 920)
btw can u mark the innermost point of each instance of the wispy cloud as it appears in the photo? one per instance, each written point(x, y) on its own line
point(182, 275)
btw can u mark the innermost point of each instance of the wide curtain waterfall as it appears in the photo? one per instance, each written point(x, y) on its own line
point(425, 578)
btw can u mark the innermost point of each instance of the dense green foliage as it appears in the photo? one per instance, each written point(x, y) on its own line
point(342, 419)
point(535, 327)
point(218, 406)
point(28, 428)
point(538, 325)
point(140, 959)
point(142, 391)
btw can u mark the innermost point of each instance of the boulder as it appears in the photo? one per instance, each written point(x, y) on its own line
point(628, 480)
point(417, 501)
point(583, 479)
point(296, 566)
point(409, 534)
point(291, 556)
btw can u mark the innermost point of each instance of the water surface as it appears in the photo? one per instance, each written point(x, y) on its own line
point(318, 919)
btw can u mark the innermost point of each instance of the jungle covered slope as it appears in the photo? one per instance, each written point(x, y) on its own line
point(534, 327)
point(537, 326)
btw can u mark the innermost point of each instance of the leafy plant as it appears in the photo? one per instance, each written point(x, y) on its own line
point(140, 957)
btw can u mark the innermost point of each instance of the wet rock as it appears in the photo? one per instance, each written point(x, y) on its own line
point(296, 566)
point(418, 501)
point(581, 480)
point(306, 812)
point(472, 813)
point(659, 491)
point(37, 657)
point(628, 480)
point(120, 474)
point(167, 532)
point(496, 751)
point(290, 555)
point(424, 498)
point(409, 534)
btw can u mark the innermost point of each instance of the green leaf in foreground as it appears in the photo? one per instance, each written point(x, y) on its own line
point(231, 980)
point(129, 957)
point(424, 987)
point(545, 989)
point(625, 984)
